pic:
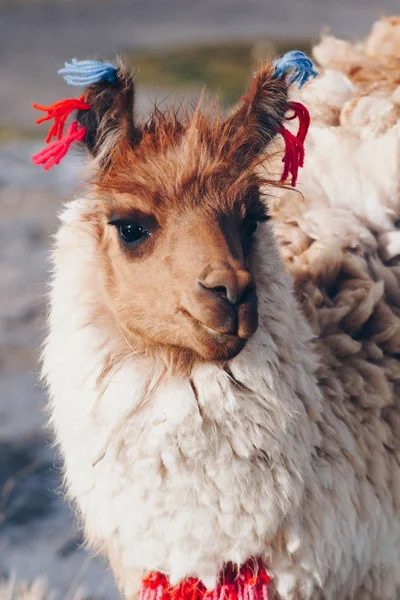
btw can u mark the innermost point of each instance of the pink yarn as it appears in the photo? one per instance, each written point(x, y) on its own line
point(248, 582)
point(54, 152)
point(294, 144)
point(60, 111)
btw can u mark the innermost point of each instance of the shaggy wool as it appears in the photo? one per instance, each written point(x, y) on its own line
point(292, 453)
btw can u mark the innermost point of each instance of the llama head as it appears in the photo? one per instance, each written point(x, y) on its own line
point(176, 207)
point(176, 204)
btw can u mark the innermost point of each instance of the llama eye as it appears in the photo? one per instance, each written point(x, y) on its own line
point(250, 226)
point(132, 233)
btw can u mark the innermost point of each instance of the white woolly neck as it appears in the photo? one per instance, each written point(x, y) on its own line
point(254, 413)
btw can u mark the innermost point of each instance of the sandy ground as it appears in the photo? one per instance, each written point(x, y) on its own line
point(37, 531)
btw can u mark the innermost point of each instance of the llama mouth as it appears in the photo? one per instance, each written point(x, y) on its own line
point(218, 336)
point(215, 345)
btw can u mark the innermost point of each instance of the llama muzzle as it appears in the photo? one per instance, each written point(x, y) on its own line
point(222, 309)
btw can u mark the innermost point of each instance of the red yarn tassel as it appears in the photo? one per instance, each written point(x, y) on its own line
point(248, 582)
point(294, 144)
point(54, 152)
point(60, 111)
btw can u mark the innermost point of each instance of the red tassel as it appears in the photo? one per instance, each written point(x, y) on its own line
point(294, 144)
point(54, 152)
point(60, 111)
point(250, 581)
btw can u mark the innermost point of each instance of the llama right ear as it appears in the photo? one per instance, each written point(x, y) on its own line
point(104, 114)
point(110, 95)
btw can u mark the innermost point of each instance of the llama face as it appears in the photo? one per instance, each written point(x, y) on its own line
point(178, 205)
point(177, 262)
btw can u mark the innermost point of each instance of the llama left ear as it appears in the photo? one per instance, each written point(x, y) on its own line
point(265, 108)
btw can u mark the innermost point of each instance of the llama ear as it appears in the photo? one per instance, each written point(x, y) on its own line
point(257, 121)
point(266, 101)
point(104, 114)
point(110, 120)
point(261, 117)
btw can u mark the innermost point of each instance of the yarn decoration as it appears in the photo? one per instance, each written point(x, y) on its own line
point(300, 69)
point(84, 72)
point(60, 111)
point(53, 153)
point(249, 582)
point(293, 158)
point(299, 66)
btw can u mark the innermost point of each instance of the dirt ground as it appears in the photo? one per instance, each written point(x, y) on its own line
point(37, 531)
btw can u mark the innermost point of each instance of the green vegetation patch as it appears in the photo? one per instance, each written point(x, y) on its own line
point(225, 67)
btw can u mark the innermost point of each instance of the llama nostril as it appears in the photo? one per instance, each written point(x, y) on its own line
point(228, 284)
point(220, 290)
point(225, 292)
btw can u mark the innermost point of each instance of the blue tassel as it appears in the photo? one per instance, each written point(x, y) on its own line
point(86, 72)
point(299, 64)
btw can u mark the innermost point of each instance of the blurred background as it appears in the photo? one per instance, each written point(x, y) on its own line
point(176, 46)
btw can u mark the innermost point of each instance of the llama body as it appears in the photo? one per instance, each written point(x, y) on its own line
point(181, 454)
point(257, 464)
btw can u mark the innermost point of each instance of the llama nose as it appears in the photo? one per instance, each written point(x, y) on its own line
point(227, 283)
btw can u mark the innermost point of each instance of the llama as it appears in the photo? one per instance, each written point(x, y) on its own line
point(222, 355)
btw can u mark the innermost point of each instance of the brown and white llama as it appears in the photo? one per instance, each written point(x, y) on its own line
point(211, 408)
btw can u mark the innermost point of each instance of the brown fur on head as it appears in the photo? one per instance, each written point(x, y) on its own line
point(178, 201)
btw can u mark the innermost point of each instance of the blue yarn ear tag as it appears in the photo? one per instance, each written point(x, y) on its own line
point(299, 64)
point(86, 72)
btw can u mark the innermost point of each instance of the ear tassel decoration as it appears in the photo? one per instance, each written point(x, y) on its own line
point(60, 111)
point(301, 67)
point(86, 72)
point(53, 153)
point(83, 73)
point(250, 582)
point(293, 158)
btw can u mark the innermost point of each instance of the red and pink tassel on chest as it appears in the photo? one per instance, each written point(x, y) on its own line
point(249, 582)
